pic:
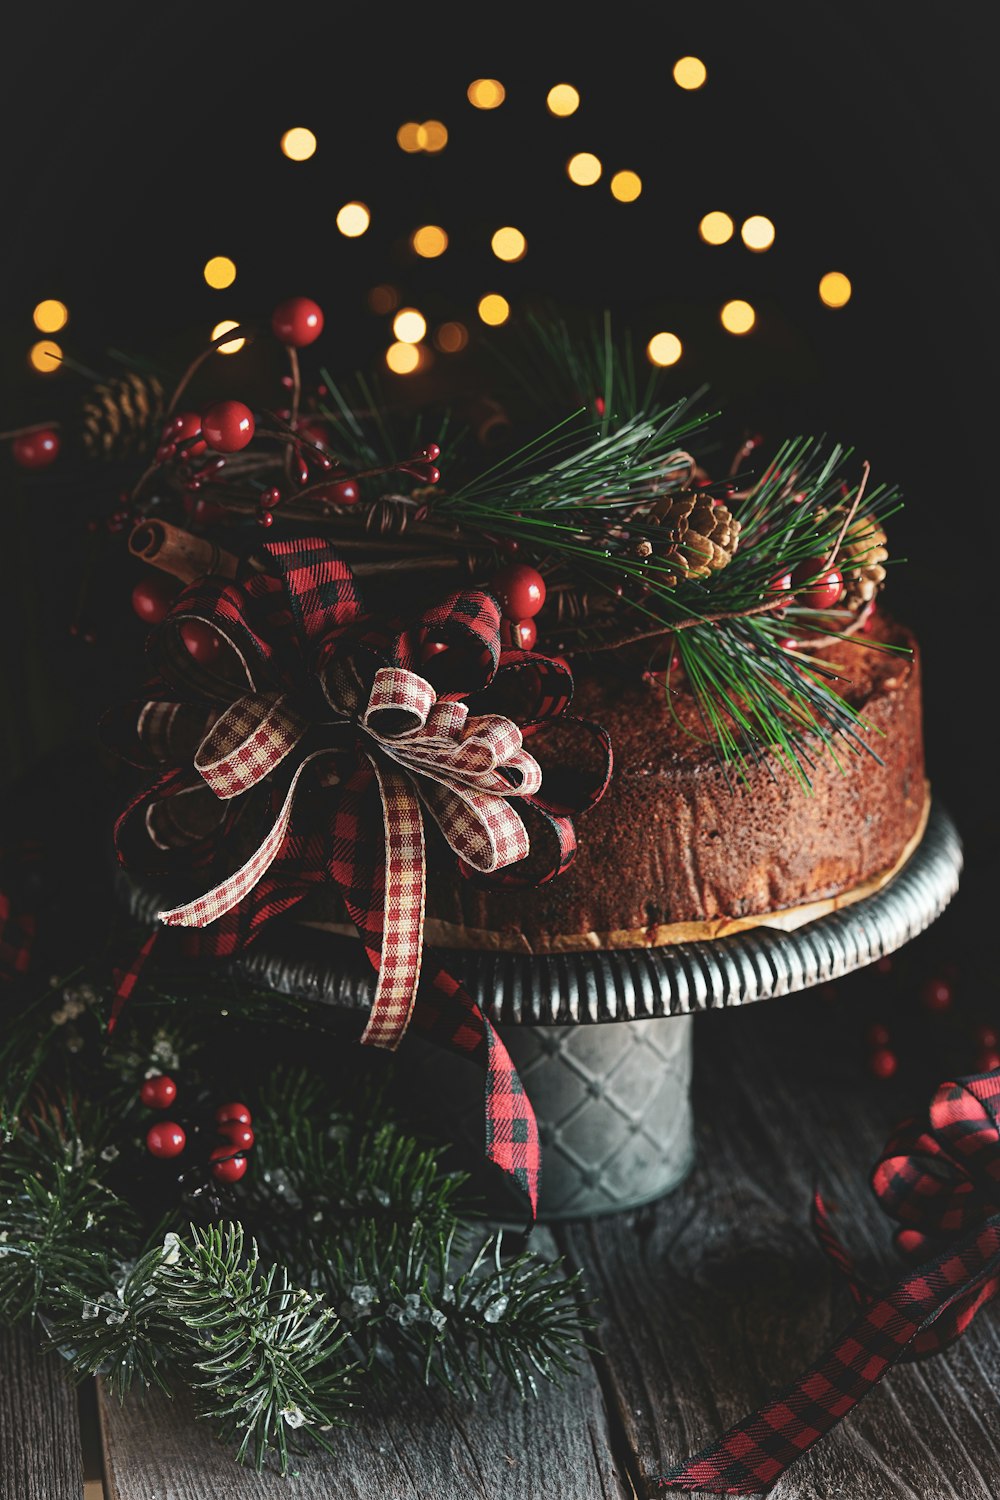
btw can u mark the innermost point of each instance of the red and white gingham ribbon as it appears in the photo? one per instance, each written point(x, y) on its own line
point(461, 768)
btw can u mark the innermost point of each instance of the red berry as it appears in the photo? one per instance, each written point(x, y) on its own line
point(203, 642)
point(165, 1140)
point(883, 965)
point(988, 1060)
point(228, 426)
point(158, 1092)
point(937, 994)
point(910, 1241)
point(345, 492)
point(877, 1034)
point(185, 426)
point(225, 1166)
point(781, 583)
point(986, 1035)
point(36, 450)
point(152, 597)
point(432, 648)
point(316, 432)
point(520, 590)
point(297, 321)
point(883, 1062)
point(815, 585)
point(265, 518)
point(522, 633)
point(237, 1134)
point(233, 1112)
point(271, 497)
point(430, 453)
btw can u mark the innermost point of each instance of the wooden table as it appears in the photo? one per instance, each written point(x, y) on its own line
point(706, 1302)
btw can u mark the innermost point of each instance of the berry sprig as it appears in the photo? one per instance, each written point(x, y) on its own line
point(227, 1161)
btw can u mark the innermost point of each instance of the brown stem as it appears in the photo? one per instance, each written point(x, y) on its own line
point(293, 365)
point(224, 338)
point(852, 512)
point(766, 607)
point(16, 432)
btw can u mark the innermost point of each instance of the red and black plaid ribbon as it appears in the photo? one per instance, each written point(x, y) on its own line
point(314, 748)
point(18, 922)
point(941, 1183)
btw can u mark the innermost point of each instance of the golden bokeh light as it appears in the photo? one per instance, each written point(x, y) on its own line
point(432, 136)
point(298, 144)
point(451, 337)
point(562, 100)
point(45, 356)
point(50, 315)
point(626, 186)
point(757, 232)
point(486, 93)
point(429, 241)
point(409, 326)
point(408, 137)
point(509, 243)
point(353, 219)
point(402, 358)
point(493, 309)
point(664, 349)
point(234, 345)
point(220, 271)
point(716, 228)
point(689, 72)
point(383, 298)
point(737, 316)
point(835, 289)
point(584, 169)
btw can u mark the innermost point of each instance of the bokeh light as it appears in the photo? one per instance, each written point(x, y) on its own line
point(716, 228)
point(408, 137)
point(298, 144)
point(353, 219)
point(486, 93)
point(220, 271)
point(383, 298)
point(508, 243)
point(835, 289)
point(493, 309)
point(429, 241)
point(234, 345)
point(562, 100)
point(689, 72)
point(432, 136)
point(664, 349)
point(50, 315)
point(757, 232)
point(409, 326)
point(584, 169)
point(402, 358)
point(451, 337)
point(737, 316)
point(45, 356)
point(626, 186)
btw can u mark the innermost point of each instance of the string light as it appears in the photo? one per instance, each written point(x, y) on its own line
point(493, 309)
point(716, 228)
point(689, 72)
point(50, 315)
point(451, 337)
point(626, 186)
point(409, 326)
point(486, 93)
point(234, 345)
point(402, 358)
point(408, 137)
point(562, 100)
point(383, 298)
point(664, 349)
point(45, 356)
point(220, 271)
point(432, 136)
point(835, 289)
point(584, 169)
point(353, 219)
point(298, 144)
point(737, 316)
point(508, 243)
point(757, 233)
point(429, 241)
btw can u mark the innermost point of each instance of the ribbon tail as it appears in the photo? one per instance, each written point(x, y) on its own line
point(125, 980)
point(751, 1457)
point(403, 915)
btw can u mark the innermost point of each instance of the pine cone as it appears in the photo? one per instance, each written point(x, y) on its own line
point(122, 417)
point(701, 535)
point(862, 553)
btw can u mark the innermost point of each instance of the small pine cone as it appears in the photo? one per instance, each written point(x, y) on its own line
point(122, 417)
point(862, 553)
point(701, 534)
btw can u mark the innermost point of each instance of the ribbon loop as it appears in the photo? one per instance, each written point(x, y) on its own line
point(247, 743)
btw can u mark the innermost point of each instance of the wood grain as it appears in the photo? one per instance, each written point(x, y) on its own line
point(40, 1449)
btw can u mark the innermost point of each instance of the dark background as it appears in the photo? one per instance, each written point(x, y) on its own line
point(138, 141)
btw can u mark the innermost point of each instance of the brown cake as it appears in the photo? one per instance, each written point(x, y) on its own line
point(674, 853)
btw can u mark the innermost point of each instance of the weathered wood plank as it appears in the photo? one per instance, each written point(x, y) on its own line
point(426, 1446)
point(40, 1449)
point(713, 1298)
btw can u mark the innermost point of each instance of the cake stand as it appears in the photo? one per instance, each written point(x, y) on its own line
point(603, 1039)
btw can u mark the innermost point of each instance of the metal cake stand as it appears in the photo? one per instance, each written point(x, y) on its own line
point(613, 1101)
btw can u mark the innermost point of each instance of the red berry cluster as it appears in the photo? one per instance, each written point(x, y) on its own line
point(520, 591)
point(167, 1139)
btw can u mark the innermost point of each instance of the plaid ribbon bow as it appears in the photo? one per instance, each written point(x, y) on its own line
point(312, 751)
point(938, 1183)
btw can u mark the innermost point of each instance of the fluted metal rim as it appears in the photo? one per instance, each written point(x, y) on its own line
point(640, 983)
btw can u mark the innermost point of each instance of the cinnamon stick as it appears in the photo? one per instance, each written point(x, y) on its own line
point(186, 556)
